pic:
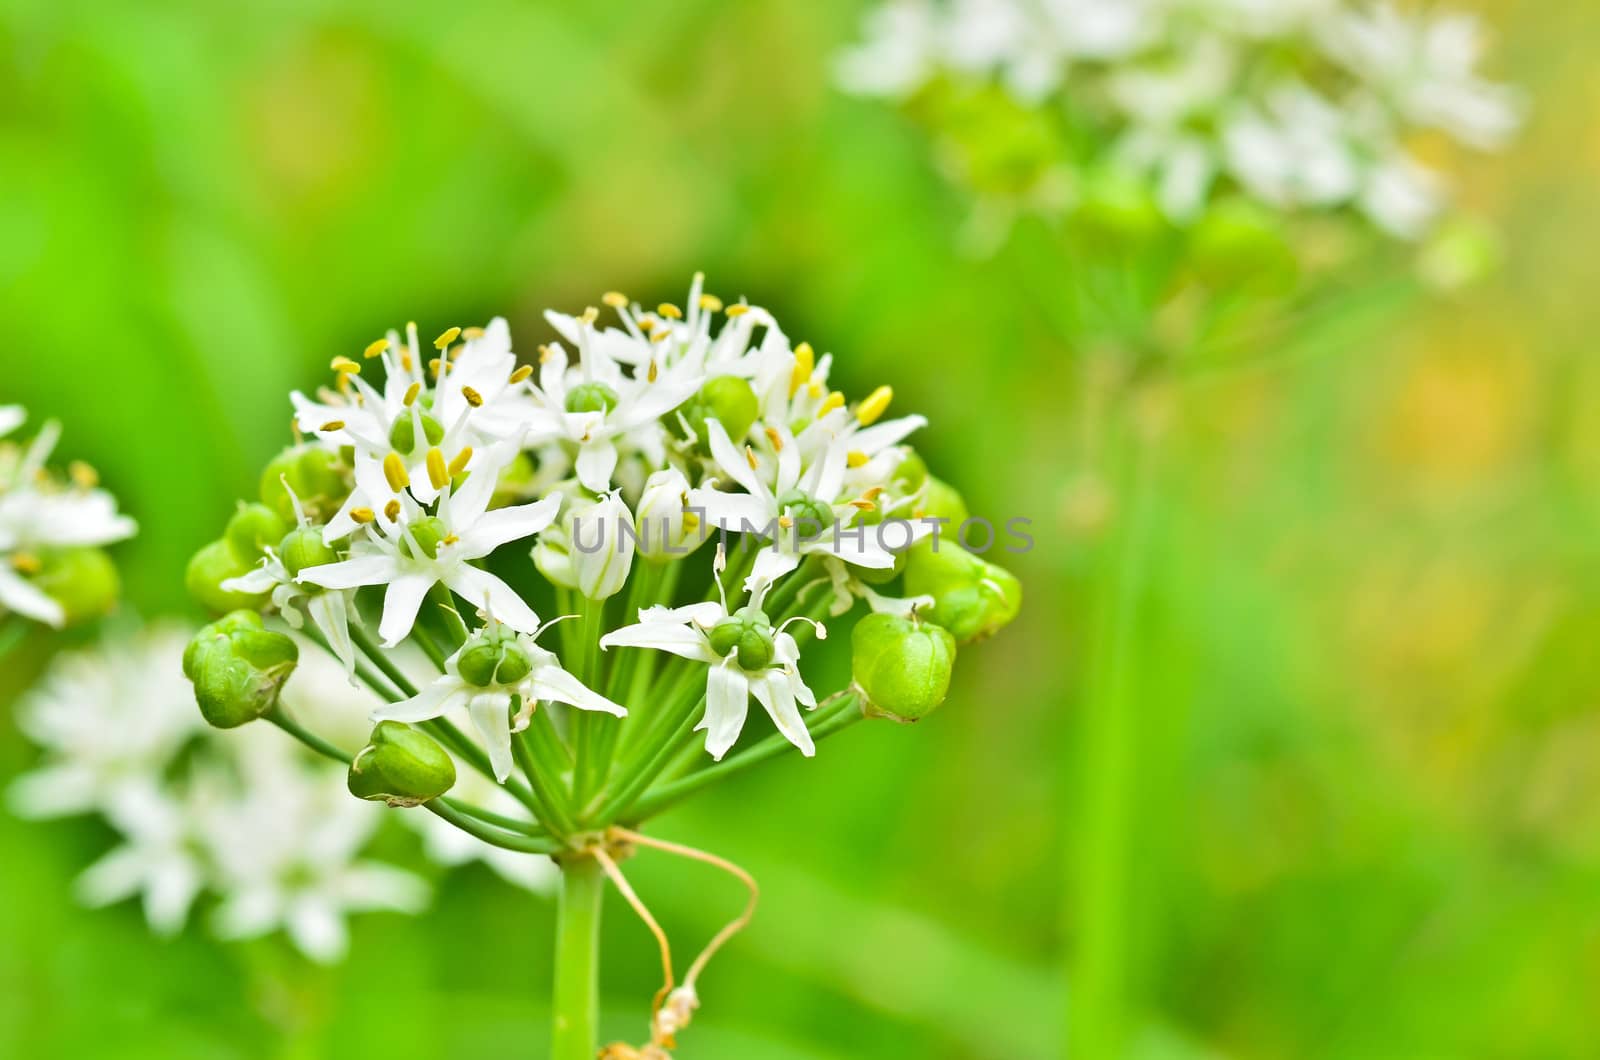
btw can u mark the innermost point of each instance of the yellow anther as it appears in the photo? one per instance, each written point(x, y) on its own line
point(805, 362)
point(446, 338)
point(646, 325)
point(814, 389)
point(738, 310)
point(775, 438)
point(546, 354)
point(472, 333)
point(590, 315)
point(521, 373)
point(865, 506)
point(394, 469)
point(615, 299)
point(786, 521)
point(459, 464)
point(392, 510)
point(670, 311)
point(374, 348)
point(438, 474)
point(691, 521)
point(872, 494)
point(652, 372)
point(750, 458)
point(332, 425)
point(26, 563)
point(83, 476)
point(405, 360)
point(438, 366)
point(834, 400)
point(876, 404)
point(344, 366)
point(711, 303)
point(855, 458)
point(411, 394)
point(660, 336)
point(362, 516)
point(450, 539)
point(474, 398)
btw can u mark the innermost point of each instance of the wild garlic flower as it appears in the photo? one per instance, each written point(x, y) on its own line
point(51, 532)
point(1303, 105)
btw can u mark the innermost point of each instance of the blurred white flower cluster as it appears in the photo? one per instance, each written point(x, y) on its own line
point(249, 818)
point(51, 530)
point(1301, 104)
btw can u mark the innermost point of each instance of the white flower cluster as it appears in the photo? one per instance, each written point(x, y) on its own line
point(248, 817)
point(630, 443)
point(1303, 104)
point(41, 515)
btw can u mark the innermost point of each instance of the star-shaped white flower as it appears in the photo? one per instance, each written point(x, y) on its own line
point(418, 551)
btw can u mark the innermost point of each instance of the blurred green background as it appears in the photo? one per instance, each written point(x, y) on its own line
point(1366, 821)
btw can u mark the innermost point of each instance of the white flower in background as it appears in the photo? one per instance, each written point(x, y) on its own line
point(160, 859)
point(1191, 96)
point(288, 857)
point(421, 550)
point(484, 676)
point(39, 513)
point(745, 656)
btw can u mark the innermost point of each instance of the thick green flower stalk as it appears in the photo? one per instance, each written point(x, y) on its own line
point(53, 531)
point(609, 555)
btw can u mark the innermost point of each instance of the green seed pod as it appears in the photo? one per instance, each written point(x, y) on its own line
point(315, 474)
point(238, 668)
point(303, 547)
point(83, 581)
point(493, 661)
point(424, 535)
point(974, 599)
point(403, 435)
point(747, 635)
point(401, 766)
point(942, 501)
point(252, 528)
point(591, 397)
point(902, 665)
point(209, 568)
point(727, 398)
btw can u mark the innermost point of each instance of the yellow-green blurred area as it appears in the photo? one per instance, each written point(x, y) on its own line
point(1365, 809)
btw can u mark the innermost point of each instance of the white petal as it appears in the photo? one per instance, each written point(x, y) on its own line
point(773, 690)
point(353, 572)
point(596, 461)
point(662, 636)
point(317, 929)
point(433, 701)
point(552, 682)
point(727, 700)
point(731, 460)
point(504, 525)
point(770, 565)
point(482, 589)
point(401, 602)
point(488, 711)
point(25, 599)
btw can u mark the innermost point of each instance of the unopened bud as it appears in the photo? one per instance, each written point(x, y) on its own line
point(902, 665)
point(667, 529)
point(238, 667)
point(728, 399)
point(303, 547)
point(602, 547)
point(941, 500)
point(209, 568)
point(83, 581)
point(252, 529)
point(401, 766)
point(316, 476)
point(973, 598)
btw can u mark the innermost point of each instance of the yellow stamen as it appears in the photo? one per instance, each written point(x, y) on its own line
point(738, 310)
point(546, 354)
point(521, 373)
point(405, 360)
point(691, 521)
point(865, 506)
point(438, 474)
point(332, 425)
point(590, 315)
point(653, 372)
point(615, 299)
point(345, 366)
point(411, 394)
point(775, 438)
point(855, 458)
point(394, 469)
point(26, 563)
point(446, 338)
point(660, 336)
point(362, 516)
point(805, 362)
point(438, 367)
point(786, 521)
point(814, 389)
point(472, 333)
point(450, 539)
point(834, 400)
point(670, 311)
point(392, 510)
point(463, 458)
point(83, 475)
point(474, 398)
point(876, 404)
point(750, 458)
point(872, 494)
point(374, 348)
point(646, 325)
point(710, 302)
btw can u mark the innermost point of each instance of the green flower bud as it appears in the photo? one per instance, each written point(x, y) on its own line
point(403, 435)
point(942, 501)
point(748, 635)
point(973, 598)
point(727, 398)
point(909, 474)
point(902, 665)
point(303, 547)
point(591, 397)
point(602, 547)
point(493, 661)
point(401, 766)
point(83, 581)
point(315, 474)
point(252, 528)
point(238, 668)
point(811, 517)
point(209, 568)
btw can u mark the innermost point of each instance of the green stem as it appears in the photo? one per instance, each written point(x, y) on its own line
point(834, 719)
point(593, 734)
point(457, 815)
point(379, 658)
point(576, 1031)
point(527, 748)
